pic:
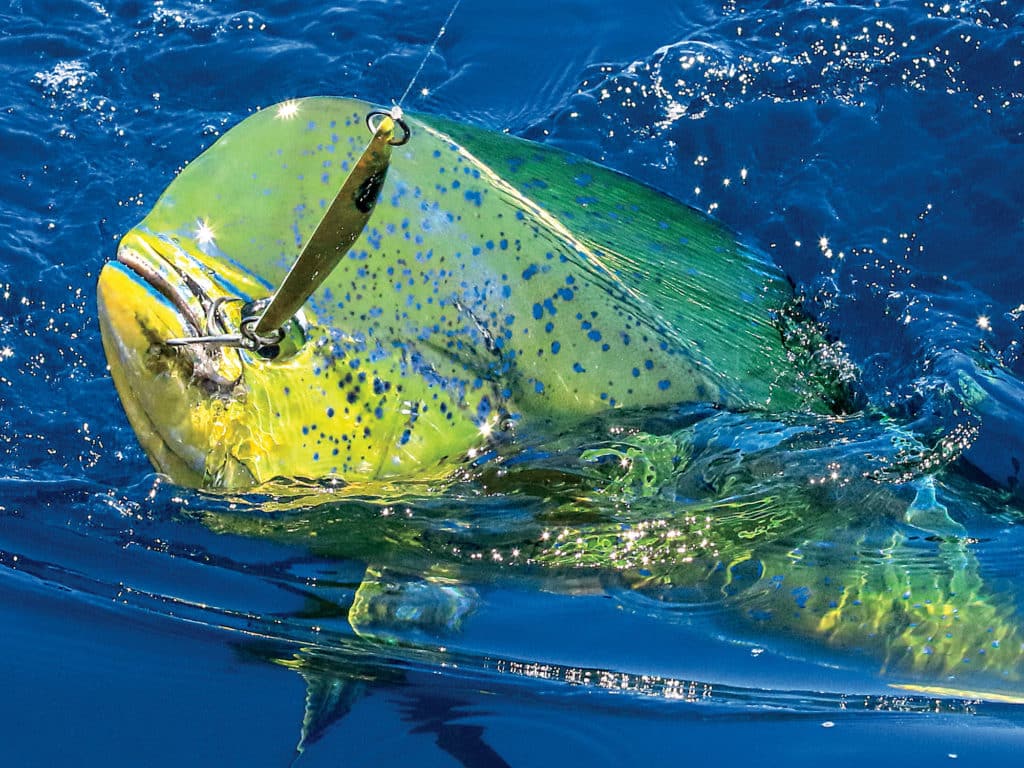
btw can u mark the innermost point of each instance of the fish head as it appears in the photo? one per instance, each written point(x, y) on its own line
point(362, 386)
point(222, 416)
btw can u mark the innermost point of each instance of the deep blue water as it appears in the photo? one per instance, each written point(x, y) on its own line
point(874, 151)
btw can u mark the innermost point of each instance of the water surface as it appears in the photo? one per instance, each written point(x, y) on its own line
point(874, 152)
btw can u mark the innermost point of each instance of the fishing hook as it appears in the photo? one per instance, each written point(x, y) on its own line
point(247, 338)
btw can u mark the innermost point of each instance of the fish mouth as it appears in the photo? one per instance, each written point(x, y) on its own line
point(192, 295)
point(150, 274)
point(155, 263)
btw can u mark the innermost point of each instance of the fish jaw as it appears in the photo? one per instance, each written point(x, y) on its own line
point(130, 321)
point(142, 302)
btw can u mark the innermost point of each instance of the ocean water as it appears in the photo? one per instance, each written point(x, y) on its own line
point(874, 151)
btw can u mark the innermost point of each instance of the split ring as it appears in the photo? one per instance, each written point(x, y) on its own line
point(373, 124)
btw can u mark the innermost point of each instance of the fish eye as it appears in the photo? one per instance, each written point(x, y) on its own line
point(282, 344)
point(292, 339)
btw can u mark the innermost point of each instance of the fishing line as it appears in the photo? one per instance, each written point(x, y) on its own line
point(430, 50)
point(395, 113)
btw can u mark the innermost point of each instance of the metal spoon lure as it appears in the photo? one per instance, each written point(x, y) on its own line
point(341, 225)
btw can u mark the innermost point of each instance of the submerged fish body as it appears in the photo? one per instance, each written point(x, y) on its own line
point(500, 288)
point(817, 536)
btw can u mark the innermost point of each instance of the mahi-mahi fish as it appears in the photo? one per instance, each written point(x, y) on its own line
point(504, 293)
point(500, 288)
